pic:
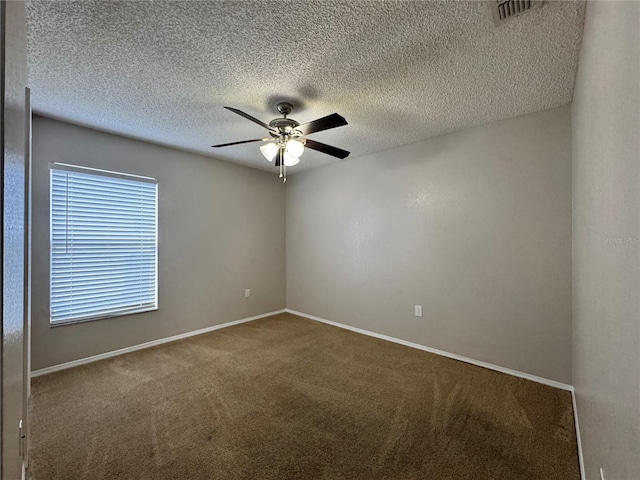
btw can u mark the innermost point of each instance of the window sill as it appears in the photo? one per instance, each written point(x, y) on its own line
point(105, 316)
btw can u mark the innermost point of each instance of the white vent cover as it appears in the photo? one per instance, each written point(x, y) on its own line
point(503, 10)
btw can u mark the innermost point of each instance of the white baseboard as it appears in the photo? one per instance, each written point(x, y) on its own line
point(491, 366)
point(583, 475)
point(160, 341)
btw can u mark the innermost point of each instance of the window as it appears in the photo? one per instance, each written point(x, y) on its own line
point(103, 244)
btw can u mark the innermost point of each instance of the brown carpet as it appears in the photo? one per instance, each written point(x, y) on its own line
point(288, 398)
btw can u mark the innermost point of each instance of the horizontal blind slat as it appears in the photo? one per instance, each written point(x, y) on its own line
point(104, 312)
point(112, 298)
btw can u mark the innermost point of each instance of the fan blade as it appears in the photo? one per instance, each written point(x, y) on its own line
point(237, 143)
point(249, 117)
point(325, 123)
point(328, 149)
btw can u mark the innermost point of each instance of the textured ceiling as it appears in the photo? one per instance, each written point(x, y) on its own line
point(398, 71)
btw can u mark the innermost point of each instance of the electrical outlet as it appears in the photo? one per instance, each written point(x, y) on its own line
point(247, 293)
point(603, 474)
point(418, 310)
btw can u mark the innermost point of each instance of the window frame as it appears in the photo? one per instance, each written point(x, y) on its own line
point(105, 173)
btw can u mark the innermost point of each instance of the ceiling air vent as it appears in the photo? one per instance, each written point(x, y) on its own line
point(503, 10)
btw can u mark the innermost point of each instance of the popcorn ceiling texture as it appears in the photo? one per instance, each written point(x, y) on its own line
point(398, 71)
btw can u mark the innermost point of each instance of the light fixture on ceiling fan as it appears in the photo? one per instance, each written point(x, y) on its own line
point(287, 142)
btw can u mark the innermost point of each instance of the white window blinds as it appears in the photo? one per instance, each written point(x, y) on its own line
point(103, 244)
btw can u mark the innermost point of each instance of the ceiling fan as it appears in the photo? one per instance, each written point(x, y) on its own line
point(288, 137)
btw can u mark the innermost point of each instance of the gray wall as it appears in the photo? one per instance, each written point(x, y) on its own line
point(475, 226)
point(606, 253)
point(221, 230)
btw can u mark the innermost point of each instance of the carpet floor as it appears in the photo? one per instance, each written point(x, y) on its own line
point(288, 398)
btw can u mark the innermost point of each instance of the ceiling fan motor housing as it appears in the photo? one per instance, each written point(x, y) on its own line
point(283, 125)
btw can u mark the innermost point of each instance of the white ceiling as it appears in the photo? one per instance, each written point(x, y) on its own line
point(398, 71)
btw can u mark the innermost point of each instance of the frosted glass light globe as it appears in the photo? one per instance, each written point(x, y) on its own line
point(269, 150)
point(295, 148)
point(290, 161)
